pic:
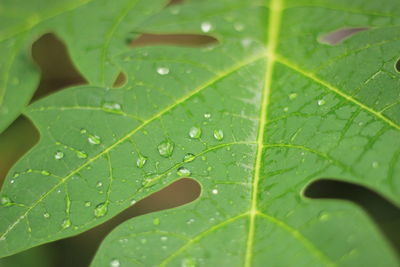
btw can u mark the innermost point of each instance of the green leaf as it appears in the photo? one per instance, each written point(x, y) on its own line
point(260, 116)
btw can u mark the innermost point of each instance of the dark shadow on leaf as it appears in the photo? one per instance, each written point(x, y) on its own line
point(383, 212)
point(337, 36)
point(191, 40)
point(79, 250)
point(397, 65)
point(57, 69)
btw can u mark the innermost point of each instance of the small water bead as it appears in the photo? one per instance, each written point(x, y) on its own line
point(101, 210)
point(46, 215)
point(111, 107)
point(88, 204)
point(94, 139)
point(162, 70)
point(58, 155)
point(209, 168)
point(166, 148)
point(133, 202)
point(207, 115)
point(5, 201)
point(218, 135)
point(182, 171)
point(156, 221)
point(83, 131)
point(323, 216)
point(190, 221)
point(189, 157)
point(206, 26)
point(321, 102)
point(16, 175)
point(141, 161)
point(215, 191)
point(188, 262)
point(292, 96)
point(238, 26)
point(81, 154)
point(164, 238)
point(143, 240)
point(375, 164)
point(99, 184)
point(246, 42)
point(46, 173)
point(195, 132)
point(66, 224)
point(115, 263)
point(285, 109)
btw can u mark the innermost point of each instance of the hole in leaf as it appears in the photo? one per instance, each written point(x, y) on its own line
point(78, 251)
point(15, 141)
point(57, 69)
point(397, 66)
point(337, 36)
point(120, 80)
point(193, 40)
point(384, 213)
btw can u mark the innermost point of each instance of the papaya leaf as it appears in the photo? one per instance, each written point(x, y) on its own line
point(254, 119)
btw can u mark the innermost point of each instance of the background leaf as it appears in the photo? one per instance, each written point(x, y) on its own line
point(254, 119)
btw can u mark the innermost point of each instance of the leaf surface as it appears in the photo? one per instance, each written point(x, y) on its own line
point(253, 119)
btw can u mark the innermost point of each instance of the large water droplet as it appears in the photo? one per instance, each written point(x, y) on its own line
point(162, 70)
point(94, 139)
point(206, 26)
point(115, 263)
point(189, 157)
point(218, 135)
point(195, 132)
point(141, 161)
point(166, 148)
point(182, 171)
point(5, 201)
point(66, 224)
point(101, 210)
point(58, 155)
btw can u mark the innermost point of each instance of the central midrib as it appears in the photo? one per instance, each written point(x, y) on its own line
point(275, 10)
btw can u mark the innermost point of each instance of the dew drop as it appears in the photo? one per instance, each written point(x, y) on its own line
point(206, 26)
point(81, 154)
point(156, 221)
point(100, 210)
point(165, 148)
point(58, 155)
point(83, 131)
point(46, 215)
point(323, 216)
point(238, 26)
point(143, 240)
point(188, 262)
point(375, 164)
point(246, 42)
point(292, 96)
point(207, 115)
point(190, 221)
point(115, 263)
point(99, 184)
point(16, 175)
point(66, 224)
point(215, 191)
point(164, 238)
point(218, 135)
point(162, 70)
point(189, 157)
point(182, 171)
point(88, 204)
point(133, 202)
point(195, 132)
point(111, 107)
point(94, 139)
point(5, 201)
point(321, 102)
point(141, 161)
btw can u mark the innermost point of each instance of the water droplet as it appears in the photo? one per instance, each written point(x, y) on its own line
point(195, 132)
point(286, 109)
point(182, 171)
point(111, 107)
point(206, 26)
point(190, 221)
point(99, 184)
point(141, 161)
point(238, 26)
point(375, 164)
point(16, 175)
point(101, 210)
point(94, 139)
point(44, 172)
point(46, 215)
point(162, 70)
point(5, 201)
point(115, 263)
point(209, 168)
point(164, 238)
point(189, 157)
point(66, 223)
point(323, 216)
point(292, 96)
point(12, 181)
point(246, 42)
point(166, 148)
point(188, 262)
point(58, 155)
point(83, 131)
point(81, 154)
point(207, 115)
point(156, 221)
point(215, 191)
point(143, 240)
point(133, 202)
point(321, 102)
point(218, 135)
